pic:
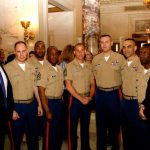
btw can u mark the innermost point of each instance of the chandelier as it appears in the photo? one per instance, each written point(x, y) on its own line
point(146, 2)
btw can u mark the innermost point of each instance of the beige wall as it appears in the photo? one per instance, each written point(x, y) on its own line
point(61, 29)
point(115, 19)
point(70, 30)
point(65, 27)
point(78, 14)
point(11, 13)
point(120, 24)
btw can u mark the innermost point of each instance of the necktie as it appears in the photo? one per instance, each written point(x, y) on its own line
point(3, 89)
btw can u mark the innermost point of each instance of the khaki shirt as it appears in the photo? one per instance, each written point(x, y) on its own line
point(147, 75)
point(51, 80)
point(22, 81)
point(108, 73)
point(35, 62)
point(134, 83)
point(80, 76)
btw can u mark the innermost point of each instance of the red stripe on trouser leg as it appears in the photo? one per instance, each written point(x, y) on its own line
point(120, 137)
point(120, 96)
point(120, 93)
point(69, 138)
point(47, 135)
point(10, 136)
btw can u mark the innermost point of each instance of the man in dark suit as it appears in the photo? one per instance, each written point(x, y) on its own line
point(6, 107)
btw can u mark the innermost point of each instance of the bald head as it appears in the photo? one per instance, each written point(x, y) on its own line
point(39, 50)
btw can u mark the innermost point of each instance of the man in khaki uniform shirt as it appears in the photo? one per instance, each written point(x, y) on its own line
point(81, 85)
point(133, 93)
point(38, 61)
point(107, 71)
point(50, 86)
point(22, 78)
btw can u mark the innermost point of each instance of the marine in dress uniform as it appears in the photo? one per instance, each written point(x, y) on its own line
point(133, 89)
point(81, 85)
point(22, 77)
point(38, 61)
point(6, 108)
point(66, 56)
point(50, 86)
point(107, 71)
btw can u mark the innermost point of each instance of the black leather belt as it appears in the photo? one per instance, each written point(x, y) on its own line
point(130, 97)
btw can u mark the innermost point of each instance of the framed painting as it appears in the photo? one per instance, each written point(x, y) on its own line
point(142, 25)
point(139, 23)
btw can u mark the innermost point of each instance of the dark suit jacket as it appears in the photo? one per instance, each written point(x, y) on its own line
point(6, 113)
point(146, 102)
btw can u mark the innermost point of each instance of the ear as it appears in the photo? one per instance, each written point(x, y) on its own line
point(27, 54)
point(112, 43)
point(135, 48)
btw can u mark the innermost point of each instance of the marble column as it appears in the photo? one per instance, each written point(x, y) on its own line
point(91, 24)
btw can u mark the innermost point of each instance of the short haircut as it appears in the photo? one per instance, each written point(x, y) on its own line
point(38, 43)
point(19, 42)
point(105, 35)
point(79, 44)
point(130, 39)
point(31, 52)
point(50, 48)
